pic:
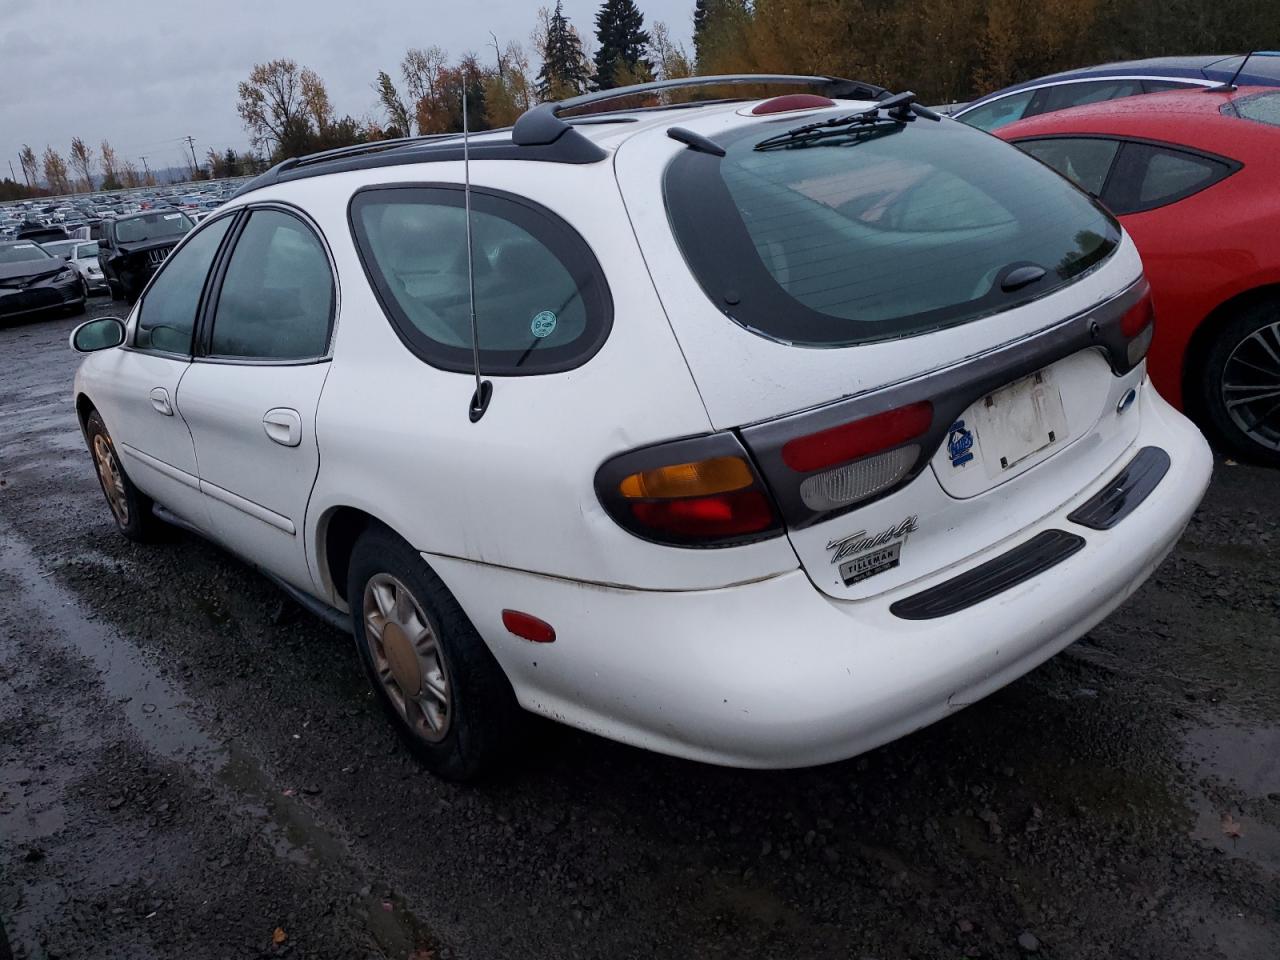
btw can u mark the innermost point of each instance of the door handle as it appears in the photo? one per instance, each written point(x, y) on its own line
point(283, 425)
point(160, 400)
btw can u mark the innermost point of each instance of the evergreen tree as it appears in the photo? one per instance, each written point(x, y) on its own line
point(564, 70)
point(701, 13)
point(623, 41)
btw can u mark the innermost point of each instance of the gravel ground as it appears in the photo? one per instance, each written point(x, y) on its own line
point(192, 767)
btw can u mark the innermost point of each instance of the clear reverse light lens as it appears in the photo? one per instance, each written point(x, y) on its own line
point(857, 481)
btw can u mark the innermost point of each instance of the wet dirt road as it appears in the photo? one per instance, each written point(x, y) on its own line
point(190, 767)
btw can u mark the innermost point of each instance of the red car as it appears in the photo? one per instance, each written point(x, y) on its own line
point(1194, 177)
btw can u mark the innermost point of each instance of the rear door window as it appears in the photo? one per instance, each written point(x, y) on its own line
point(1085, 161)
point(880, 233)
point(994, 114)
point(277, 296)
point(1149, 175)
point(541, 301)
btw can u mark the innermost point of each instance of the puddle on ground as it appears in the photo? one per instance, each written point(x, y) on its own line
point(156, 710)
point(163, 720)
point(1237, 777)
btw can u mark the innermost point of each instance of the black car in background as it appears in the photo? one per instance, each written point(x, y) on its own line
point(132, 248)
point(32, 280)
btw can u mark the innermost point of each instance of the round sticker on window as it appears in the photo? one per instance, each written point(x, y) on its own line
point(543, 324)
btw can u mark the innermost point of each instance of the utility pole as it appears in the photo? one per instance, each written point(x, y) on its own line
point(11, 173)
point(24, 171)
point(191, 142)
point(145, 168)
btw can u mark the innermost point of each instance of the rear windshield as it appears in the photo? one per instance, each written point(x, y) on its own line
point(1262, 107)
point(153, 226)
point(882, 233)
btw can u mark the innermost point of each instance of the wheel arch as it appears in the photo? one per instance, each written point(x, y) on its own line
point(84, 407)
point(1196, 354)
point(337, 531)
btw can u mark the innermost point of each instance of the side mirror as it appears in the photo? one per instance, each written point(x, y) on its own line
point(100, 334)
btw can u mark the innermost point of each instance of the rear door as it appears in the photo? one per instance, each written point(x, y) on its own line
point(250, 396)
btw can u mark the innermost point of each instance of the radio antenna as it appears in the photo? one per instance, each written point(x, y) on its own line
point(484, 388)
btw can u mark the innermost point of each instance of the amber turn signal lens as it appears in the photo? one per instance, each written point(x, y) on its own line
point(699, 479)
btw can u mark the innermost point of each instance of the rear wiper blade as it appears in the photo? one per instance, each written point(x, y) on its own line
point(900, 108)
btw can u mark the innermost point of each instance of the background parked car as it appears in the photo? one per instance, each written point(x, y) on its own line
point(33, 280)
point(132, 247)
point(1193, 178)
point(1111, 81)
point(83, 256)
point(40, 233)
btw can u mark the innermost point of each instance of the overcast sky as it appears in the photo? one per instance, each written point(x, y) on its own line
point(143, 73)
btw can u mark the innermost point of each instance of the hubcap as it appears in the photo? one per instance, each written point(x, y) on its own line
point(1251, 386)
point(407, 657)
point(112, 478)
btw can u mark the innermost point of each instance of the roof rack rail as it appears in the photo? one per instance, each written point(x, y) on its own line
point(540, 133)
point(543, 124)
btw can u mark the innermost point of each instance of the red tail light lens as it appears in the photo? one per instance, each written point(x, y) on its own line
point(849, 441)
point(721, 515)
point(703, 492)
point(1140, 316)
point(1138, 326)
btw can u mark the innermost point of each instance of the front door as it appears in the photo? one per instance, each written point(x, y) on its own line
point(138, 396)
point(250, 396)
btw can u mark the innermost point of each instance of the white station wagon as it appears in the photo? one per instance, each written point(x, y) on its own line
point(805, 421)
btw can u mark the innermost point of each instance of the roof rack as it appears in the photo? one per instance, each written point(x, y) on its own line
point(543, 125)
point(540, 133)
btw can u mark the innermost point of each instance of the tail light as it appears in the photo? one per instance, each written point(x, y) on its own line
point(868, 455)
point(702, 492)
point(1138, 326)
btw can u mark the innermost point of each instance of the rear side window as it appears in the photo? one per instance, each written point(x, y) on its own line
point(996, 113)
point(542, 304)
point(276, 300)
point(1064, 95)
point(885, 232)
point(168, 312)
point(1149, 175)
point(1084, 161)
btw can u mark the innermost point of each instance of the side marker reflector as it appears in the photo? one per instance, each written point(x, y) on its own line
point(528, 627)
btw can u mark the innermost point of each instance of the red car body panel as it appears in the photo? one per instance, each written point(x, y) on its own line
point(1206, 249)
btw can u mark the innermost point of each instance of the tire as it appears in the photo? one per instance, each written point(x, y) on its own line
point(130, 507)
point(473, 727)
point(1244, 361)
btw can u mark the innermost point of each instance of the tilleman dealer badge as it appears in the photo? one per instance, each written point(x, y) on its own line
point(861, 555)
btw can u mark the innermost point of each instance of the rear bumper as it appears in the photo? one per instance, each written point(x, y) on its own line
point(776, 674)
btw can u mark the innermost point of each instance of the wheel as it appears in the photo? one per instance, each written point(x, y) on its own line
point(130, 507)
point(446, 694)
point(1240, 391)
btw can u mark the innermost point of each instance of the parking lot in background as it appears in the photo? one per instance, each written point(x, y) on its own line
point(190, 765)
